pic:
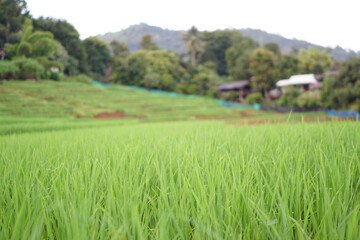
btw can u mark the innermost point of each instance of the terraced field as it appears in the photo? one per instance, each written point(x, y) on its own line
point(64, 99)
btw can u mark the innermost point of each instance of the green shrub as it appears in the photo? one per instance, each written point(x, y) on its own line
point(78, 78)
point(310, 99)
point(24, 49)
point(327, 89)
point(254, 98)
point(29, 68)
point(289, 98)
point(186, 88)
point(8, 70)
point(167, 82)
point(343, 97)
point(230, 96)
point(48, 74)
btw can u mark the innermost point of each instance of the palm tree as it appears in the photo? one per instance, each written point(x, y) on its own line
point(193, 43)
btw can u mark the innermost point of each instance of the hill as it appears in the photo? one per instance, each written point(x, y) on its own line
point(165, 38)
point(289, 45)
point(171, 40)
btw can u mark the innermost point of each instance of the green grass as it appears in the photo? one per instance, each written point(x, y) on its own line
point(68, 99)
point(199, 180)
point(155, 178)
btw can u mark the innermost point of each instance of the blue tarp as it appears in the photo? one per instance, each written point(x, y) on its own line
point(350, 114)
point(153, 91)
point(235, 105)
point(101, 84)
point(138, 88)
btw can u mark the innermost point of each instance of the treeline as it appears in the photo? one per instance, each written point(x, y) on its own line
point(223, 56)
point(47, 48)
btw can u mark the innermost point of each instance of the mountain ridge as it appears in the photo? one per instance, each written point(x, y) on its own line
point(172, 40)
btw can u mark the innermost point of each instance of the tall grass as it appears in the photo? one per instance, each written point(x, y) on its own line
point(182, 181)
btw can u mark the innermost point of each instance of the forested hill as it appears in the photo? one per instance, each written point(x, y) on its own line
point(172, 40)
point(164, 38)
point(288, 45)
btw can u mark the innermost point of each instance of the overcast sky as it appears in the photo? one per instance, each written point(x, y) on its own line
point(324, 22)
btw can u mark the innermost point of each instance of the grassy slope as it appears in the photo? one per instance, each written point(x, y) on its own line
point(61, 99)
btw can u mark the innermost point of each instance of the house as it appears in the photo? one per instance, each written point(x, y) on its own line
point(306, 81)
point(243, 88)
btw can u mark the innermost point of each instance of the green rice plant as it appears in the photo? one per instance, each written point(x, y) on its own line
point(181, 180)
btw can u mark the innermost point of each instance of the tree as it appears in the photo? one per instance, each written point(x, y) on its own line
point(161, 62)
point(314, 61)
point(167, 82)
point(69, 37)
point(343, 91)
point(36, 44)
point(193, 43)
point(215, 46)
point(206, 82)
point(150, 80)
point(120, 52)
point(146, 43)
point(12, 16)
point(261, 66)
point(286, 67)
point(327, 92)
point(98, 56)
point(119, 49)
point(273, 47)
point(237, 57)
point(349, 73)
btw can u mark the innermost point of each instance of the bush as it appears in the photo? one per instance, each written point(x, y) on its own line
point(327, 96)
point(310, 99)
point(230, 96)
point(289, 98)
point(167, 82)
point(48, 64)
point(254, 98)
point(29, 68)
point(78, 78)
point(186, 88)
point(343, 97)
point(8, 70)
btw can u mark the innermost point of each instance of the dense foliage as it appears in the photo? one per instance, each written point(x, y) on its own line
point(12, 16)
point(51, 42)
point(68, 36)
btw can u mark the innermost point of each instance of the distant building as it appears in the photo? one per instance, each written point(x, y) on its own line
point(54, 69)
point(306, 81)
point(243, 88)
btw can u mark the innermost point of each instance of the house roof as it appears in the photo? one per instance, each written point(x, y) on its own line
point(282, 83)
point(298, 80)
point(234, 85)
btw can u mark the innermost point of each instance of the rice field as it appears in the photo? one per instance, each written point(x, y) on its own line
point(63, 177)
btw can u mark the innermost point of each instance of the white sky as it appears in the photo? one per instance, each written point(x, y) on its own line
point(324, 22)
